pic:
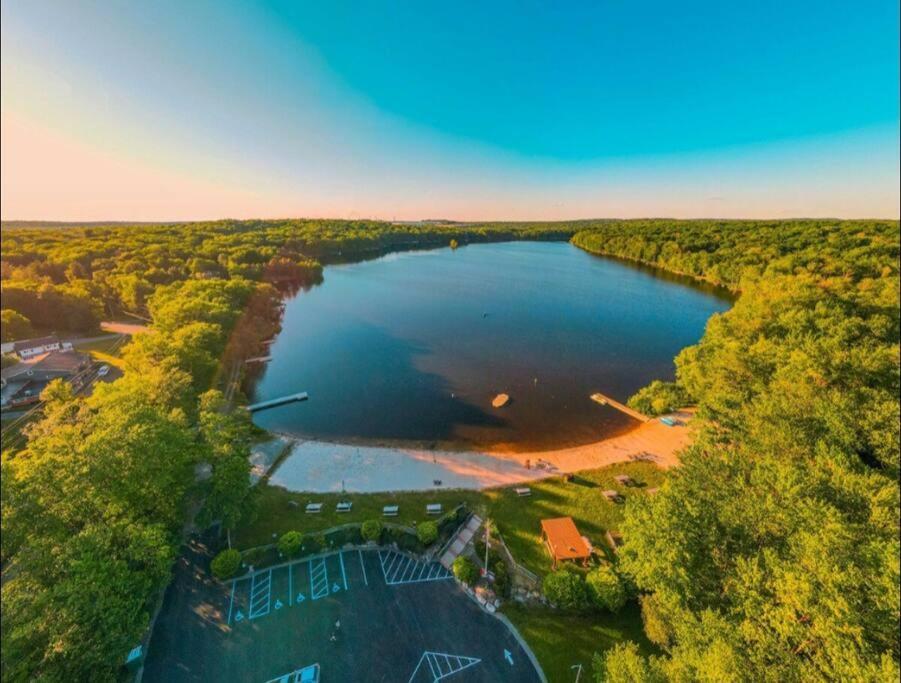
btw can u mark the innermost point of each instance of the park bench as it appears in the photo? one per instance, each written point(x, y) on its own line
point(523, 491)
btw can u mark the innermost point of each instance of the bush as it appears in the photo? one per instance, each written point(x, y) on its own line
point(656, 627)
point(606, 588)
point(566, 589)
point(465, 570)
point(501, 578)
point(427, 533)
point(290, 543)
point(371, 530)
point(660, 397)
point(226, 564)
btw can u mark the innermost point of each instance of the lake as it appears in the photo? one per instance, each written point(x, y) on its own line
point(412, 347)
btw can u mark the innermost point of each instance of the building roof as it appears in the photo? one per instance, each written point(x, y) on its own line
point(32, 343)
point(61, 361)
point(564, 539)
point(55, 363)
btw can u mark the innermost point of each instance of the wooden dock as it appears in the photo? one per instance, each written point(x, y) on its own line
point(641, 417)
point(272, 403)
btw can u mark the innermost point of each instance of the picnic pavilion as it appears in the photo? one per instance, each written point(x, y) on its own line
point(563, 540)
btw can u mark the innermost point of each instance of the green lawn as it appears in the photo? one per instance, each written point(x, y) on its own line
point(107, 351)
point(518, 519)
point(561, 640)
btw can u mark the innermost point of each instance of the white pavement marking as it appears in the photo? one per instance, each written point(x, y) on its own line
point(442, 665)
point(318, 579)
point(260, 595)
point(399, 569)
point(343, 575)
point(231, 603)
point(363, 567)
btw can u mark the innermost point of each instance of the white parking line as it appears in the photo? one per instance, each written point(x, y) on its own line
point(260, 595)
point(363, 567)
point(318, 579)
point(399, 569)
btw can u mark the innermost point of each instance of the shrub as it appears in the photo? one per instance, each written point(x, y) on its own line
point(566, 589)
point(501, 577)
point(427, 533)
point(226, 564)
point(606, 588)
point(656, 627)
point(290, 543)
point(465, 570)
point(371, 530)
point(660, 397)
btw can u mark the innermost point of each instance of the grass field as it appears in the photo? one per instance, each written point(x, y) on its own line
point(561, 640)
point(518, 519)
point(105, 350)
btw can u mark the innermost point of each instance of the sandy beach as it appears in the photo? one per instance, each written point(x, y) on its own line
point(321, 466)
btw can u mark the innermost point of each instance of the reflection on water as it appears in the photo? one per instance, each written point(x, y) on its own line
point(413, 347)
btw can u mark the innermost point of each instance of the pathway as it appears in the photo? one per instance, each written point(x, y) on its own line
point(463, 537)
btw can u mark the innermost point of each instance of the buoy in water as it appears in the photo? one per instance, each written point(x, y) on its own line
point(500, 400)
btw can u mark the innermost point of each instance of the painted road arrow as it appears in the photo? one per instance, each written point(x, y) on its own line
point(508, 656)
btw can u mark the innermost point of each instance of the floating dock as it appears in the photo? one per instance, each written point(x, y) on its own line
point(272, 403)
point(641, 417)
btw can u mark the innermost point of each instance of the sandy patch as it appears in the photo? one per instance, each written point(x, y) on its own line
point(321, 466)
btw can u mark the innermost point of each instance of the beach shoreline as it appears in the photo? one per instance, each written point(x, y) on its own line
point(367, 466)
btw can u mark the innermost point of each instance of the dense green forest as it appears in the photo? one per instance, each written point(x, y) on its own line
point(770, 554)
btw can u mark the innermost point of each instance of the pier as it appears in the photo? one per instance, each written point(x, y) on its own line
point(641, 417)
point(272, 403)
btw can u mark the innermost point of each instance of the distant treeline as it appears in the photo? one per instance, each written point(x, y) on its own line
point(68, 278)
point(772, 552)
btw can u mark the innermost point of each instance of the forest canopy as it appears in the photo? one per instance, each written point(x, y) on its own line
point(771, 553)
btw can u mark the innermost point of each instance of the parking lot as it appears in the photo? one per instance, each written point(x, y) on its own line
point(374, 615)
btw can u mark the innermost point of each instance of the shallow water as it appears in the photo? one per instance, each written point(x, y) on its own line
point(411, 348)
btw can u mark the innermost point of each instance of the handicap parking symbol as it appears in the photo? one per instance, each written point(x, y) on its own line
point(301, 597)
point(278, 604)
point(239, 616)
point(336, 588)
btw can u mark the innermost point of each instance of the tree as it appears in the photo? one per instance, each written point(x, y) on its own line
point(290, 543)
point(623, 663)
point(227, 563)
point(565, 588)
point(427, 533)
point(14, 325)
point(226, 436)
point(606, 588)
point(660, 397)
point(465, 570)
point(371, 530)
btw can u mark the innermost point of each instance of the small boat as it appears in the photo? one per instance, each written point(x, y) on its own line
point(599, 398)
point(668, 421)
point(500, 400)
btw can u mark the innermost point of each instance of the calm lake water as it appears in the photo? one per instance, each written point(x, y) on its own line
point(412, 347)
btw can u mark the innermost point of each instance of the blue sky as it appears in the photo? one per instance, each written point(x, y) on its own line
point(463, 110)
